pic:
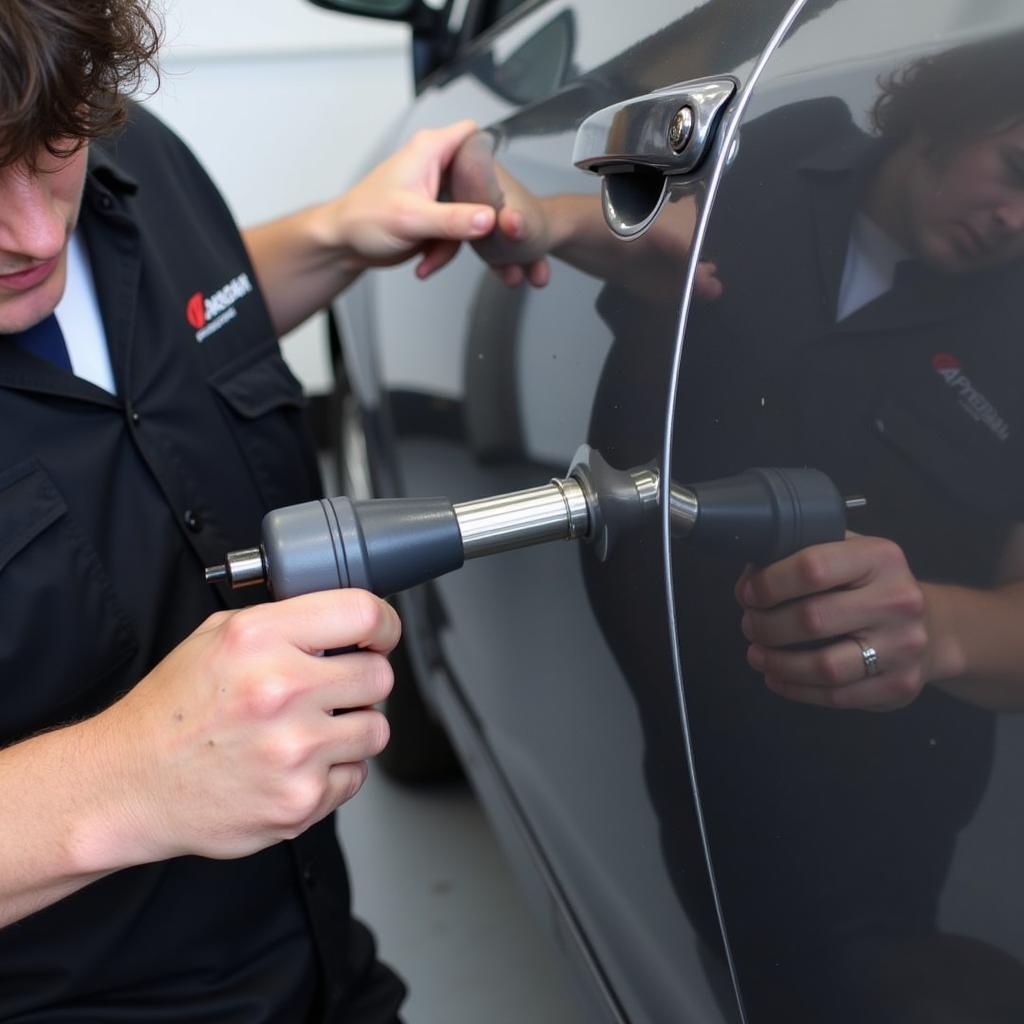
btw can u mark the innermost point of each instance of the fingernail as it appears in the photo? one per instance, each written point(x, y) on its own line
point(481, 219)
point(755, 658)
point(747, 593)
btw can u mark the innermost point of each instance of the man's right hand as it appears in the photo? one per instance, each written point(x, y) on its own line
point(232, 743)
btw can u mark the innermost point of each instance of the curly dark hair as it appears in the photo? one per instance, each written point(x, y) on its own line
point(66, 69)
point(962, 93)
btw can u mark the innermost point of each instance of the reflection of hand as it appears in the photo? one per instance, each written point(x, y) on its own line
point(706, 285)
point(229, 745)
point(531, 228)
point(840, 598)
point(393, 212)
point(517, 250)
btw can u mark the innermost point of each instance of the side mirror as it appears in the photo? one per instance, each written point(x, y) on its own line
point(432, 41)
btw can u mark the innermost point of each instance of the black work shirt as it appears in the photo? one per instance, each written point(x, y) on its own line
point(110, 506)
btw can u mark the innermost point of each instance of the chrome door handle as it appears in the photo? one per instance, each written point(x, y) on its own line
point(668, 131)
point(637, 144)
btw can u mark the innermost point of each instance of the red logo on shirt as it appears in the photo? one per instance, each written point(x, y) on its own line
point(195, 311)
point(970, 399)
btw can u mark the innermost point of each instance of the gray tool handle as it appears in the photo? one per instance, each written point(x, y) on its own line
point(766, 514)
point(383, 546)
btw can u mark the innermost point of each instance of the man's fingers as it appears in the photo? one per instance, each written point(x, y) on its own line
point(426, 220)
point(813, 570)
point(835, 613)
point(706, 285)
point(511, 275)
point(354, 736)
point(870, 695)
point(848, 563)
point(435, 256)
point(837, 664)
point(321, 622)
point(343, 782)
point(838, 672)
point(445, 142)
point(358, 679)
point(511, 223)
point(538, 273)
point(464, 221)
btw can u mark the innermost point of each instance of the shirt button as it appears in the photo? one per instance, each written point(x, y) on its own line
point(308, 875)
point(192, 521)
point(135, 417)
point(106, 202)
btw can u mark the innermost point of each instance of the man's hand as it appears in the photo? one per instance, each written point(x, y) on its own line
point(393, 213)
point(809, 616)
point(231, 743)
point(517, 251)
point(305, 259)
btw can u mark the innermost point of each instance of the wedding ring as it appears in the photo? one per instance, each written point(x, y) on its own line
point(870, 656)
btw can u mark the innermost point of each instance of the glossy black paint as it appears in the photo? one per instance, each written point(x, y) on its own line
point(866, 864)
point(854, 849)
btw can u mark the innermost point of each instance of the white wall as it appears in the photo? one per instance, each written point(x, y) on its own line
point(284, 103)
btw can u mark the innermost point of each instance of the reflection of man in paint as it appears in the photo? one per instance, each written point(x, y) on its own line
point(864, 278)
point(949, 210)
point(947, 194)
point(856, 270)
point(868, 300)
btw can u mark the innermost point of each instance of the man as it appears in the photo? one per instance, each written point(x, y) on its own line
point(159, 748)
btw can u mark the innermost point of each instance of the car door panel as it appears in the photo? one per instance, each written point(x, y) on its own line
point(865, 859)
point(580, 720)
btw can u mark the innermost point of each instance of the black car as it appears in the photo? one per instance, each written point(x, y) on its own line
point(779, 235)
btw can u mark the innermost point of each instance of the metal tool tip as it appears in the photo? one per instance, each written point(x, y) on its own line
point(855, 501)
point(216, 573)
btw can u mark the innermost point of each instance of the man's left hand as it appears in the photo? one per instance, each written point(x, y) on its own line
point(811, 617)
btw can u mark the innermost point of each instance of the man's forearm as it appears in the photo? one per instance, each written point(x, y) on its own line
point(648, 266)
point(977, 643)
point(59, 805)
point(299, 269)
point(391, 215)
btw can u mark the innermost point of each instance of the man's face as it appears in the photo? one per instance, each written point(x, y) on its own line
point(38, 211)
point(965, 211)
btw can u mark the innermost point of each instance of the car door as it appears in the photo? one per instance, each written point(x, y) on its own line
point(865, 834)
point(551, 666)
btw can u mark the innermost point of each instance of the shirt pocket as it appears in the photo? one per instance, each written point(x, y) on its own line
point(64, 631)
point(266, 411)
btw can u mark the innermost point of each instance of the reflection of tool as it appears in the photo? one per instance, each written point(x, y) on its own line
point(389, 545)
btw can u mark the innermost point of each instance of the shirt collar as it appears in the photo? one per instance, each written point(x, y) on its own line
point(106, 172)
